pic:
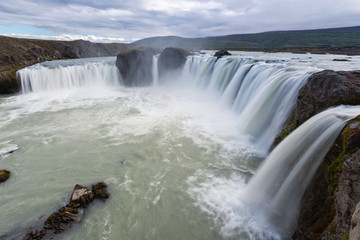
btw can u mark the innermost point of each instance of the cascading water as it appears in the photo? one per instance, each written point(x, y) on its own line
point(177, 156)
point(261, 94)
point(277, 188)
point(69, 74)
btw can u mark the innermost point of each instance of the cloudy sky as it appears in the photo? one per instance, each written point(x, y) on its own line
point(125, 20)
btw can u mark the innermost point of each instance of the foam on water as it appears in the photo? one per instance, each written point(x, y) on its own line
point(177, 157)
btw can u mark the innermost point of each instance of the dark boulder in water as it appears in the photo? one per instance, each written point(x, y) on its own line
point(171, 59)
point(81, 196)
point(221, 53)
point(4, 175)
point(100, 191)
point(135, 66)
point(61, 220)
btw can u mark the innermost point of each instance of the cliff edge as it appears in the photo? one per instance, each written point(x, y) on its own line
point(328, 209)
point(16, 53)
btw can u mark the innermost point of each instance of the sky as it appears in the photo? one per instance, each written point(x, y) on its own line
point(127, 21)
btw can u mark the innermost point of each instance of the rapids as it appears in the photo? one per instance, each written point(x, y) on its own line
point(179, 158)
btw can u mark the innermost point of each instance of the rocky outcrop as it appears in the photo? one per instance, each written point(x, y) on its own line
point(323, 90)
point(221, 53)
point(329, 202)
point(355, 224)
point(61, 220)
point(4, 175)
point(18, 53)
point(135, 66)
point(171, 59)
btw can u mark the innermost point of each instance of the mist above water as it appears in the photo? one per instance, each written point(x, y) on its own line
point(177, 157)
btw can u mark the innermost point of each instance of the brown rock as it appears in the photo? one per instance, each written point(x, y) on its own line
point(4, 175)
point(100, 191)
point(325, 89)
point(81, 195)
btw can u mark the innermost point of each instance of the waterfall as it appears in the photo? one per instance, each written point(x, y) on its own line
point(261, 94)
point(68, 74)
point(155, 71)
point(277, 188)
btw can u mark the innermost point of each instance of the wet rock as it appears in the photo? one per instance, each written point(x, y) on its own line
point(135, 66)
point(171, 59)
point(221, 53)
point(327, 204)
point(323, 90)
point(347, 197)
point(100, 191)
point(62, 219)
point(4, 175)
point(81, 196)
point(355, 224)
point(341, 60)
point(332, 195)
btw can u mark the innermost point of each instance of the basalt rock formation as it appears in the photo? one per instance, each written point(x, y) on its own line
point(18, 53)
point(329, 204)
point(135, 66)
point(323, 90)
point(171, 59)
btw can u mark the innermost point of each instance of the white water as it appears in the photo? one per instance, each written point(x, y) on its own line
point(69, 74)
point(177, 158)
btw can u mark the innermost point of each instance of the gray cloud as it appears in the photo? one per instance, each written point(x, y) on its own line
point(188, 18)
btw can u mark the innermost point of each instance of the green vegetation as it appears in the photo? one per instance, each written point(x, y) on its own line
point(318, 40)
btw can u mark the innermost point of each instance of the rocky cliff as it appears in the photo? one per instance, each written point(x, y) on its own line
point(136, 64)
point(329, 204)
point(18, 53)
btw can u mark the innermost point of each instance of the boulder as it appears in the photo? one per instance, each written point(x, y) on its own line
point(221, 53)
point(4, 175)
point(171, 59)
point(81, 196)
point(135, 66)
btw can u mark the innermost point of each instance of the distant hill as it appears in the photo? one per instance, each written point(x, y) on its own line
point(320, 38)
point(16, 53)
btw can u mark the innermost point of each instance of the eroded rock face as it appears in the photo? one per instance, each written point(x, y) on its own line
point(171, 59)
point(327, 205)
point(346, 198)
point(330, 199)
point(135, 66)
point(355, 224)
point(4, 175)
point(325, 89)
